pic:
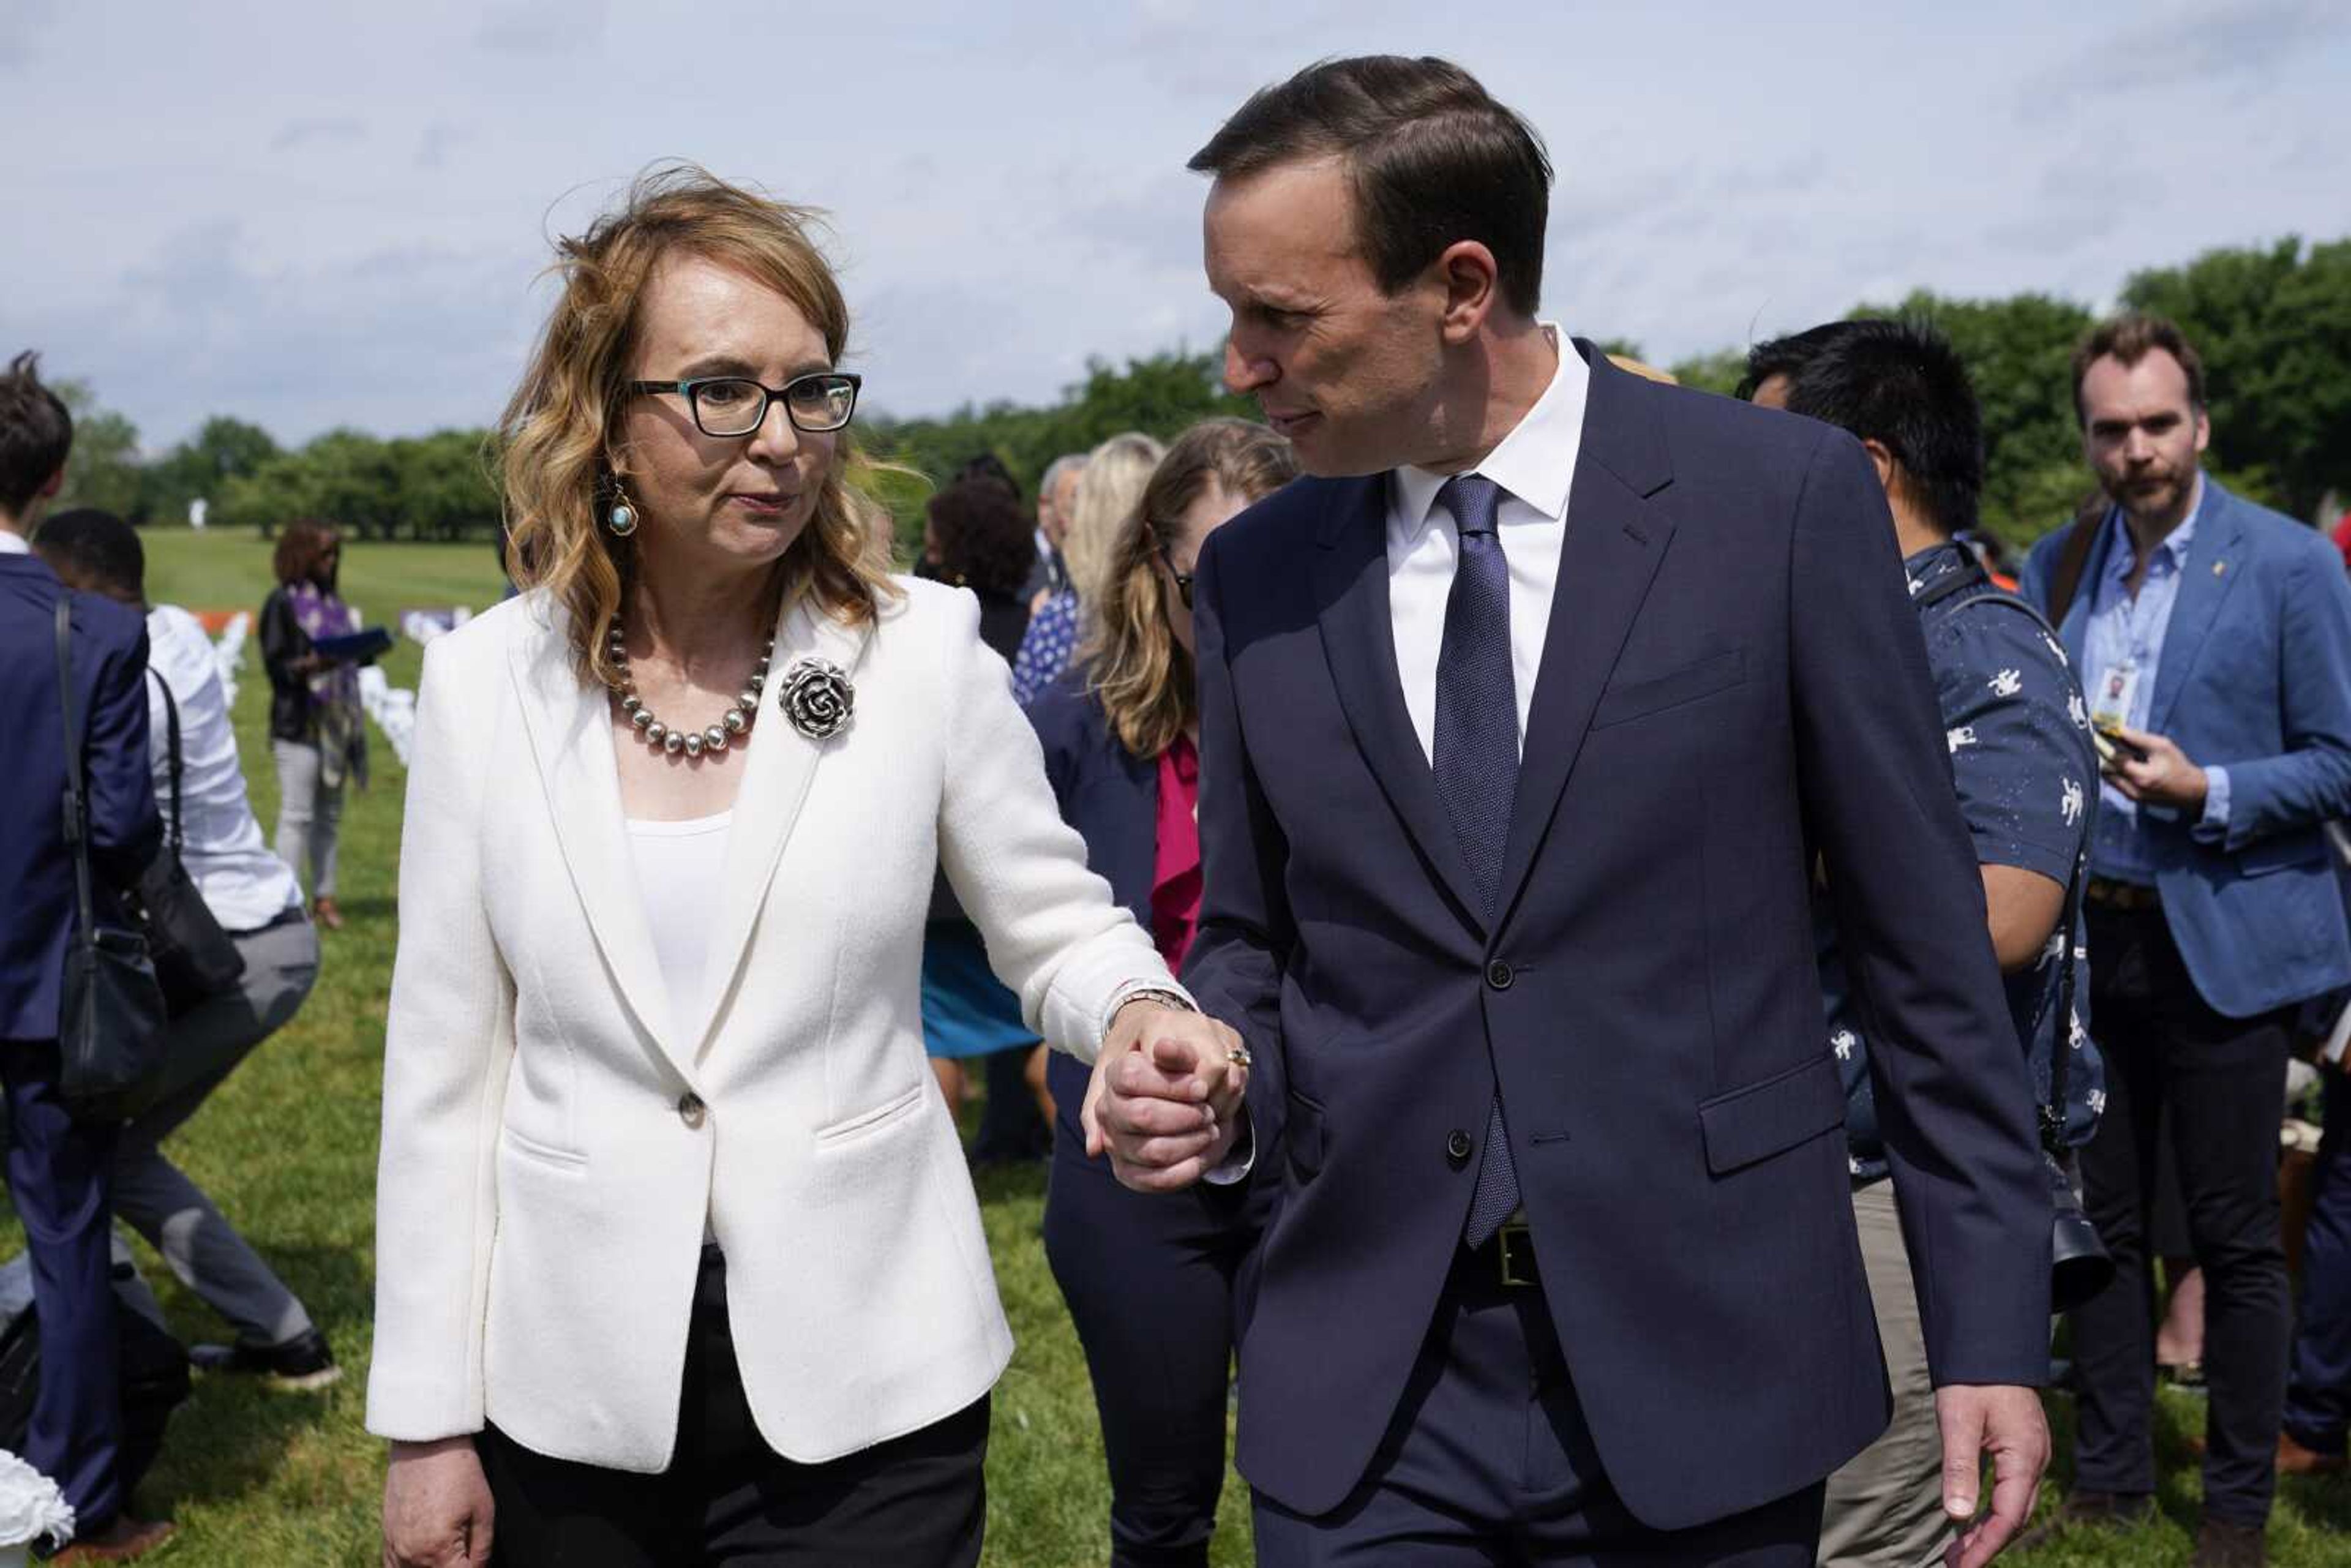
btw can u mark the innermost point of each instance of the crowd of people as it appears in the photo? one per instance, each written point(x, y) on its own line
point(1575, 929)
point(144, 733)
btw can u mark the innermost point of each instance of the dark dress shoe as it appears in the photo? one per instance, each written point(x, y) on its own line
point(118, 1542)
point(2293, 1458)
point(2219, 1544)
point(2089, 1510)
point(300, 1365)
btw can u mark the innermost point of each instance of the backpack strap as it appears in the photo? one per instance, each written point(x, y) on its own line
point(2072, 559)
point(77, 802)
point(177, 766)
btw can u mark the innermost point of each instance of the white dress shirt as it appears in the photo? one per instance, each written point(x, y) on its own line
point(1535, 465)
point(14, 544)
point(243, 884)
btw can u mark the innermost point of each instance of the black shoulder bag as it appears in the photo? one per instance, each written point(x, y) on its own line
point(111, 1017)
point(195, 959)
point(2079, 1265)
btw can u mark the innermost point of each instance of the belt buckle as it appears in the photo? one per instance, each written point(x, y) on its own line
point(1514, 1244)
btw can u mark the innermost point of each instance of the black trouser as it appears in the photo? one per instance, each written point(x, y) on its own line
point(2222, 1081)
point(916, 1502)
point(2319, 1387)
point(1153, 1281)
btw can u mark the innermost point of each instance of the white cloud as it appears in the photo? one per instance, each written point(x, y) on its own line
point(329, 129)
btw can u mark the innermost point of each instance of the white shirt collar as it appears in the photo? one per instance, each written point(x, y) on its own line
point(1535, 462)
point(12, 543)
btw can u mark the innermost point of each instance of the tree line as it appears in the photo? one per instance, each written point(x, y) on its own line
point(2272, 323)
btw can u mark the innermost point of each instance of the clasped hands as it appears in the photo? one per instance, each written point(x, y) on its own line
point(1166, 1098)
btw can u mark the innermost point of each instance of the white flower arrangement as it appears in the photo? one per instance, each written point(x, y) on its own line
point(31, 1506)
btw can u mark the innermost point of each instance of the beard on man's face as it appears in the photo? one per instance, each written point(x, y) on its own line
point(2150, 492)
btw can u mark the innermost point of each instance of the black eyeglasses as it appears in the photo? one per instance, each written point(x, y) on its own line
point(1183, 579)
point(728, 406)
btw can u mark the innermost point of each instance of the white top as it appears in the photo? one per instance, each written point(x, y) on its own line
point(680, 866)
point(1535, 466)
point(244, 885)
point(13, 543)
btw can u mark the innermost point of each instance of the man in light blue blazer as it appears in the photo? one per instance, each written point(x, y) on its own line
point(2213, 637)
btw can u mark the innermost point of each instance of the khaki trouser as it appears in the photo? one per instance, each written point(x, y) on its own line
point(1885, 1508)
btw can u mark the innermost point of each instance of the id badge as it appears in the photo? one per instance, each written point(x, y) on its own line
point(2110, 704)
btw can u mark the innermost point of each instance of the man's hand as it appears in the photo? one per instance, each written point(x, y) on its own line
point(1166, 1098)
point(2005, 1425)
point(436, 1506)
point(2164, 776)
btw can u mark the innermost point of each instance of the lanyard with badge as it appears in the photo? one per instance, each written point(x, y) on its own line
point(2113, 697)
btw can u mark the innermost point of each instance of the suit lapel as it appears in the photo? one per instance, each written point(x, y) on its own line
point(2215, 560)
point(571, 727)
point(780, 765)
point(1615, 541)
point(1359, 640)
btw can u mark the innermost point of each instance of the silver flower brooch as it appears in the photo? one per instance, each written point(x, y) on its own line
point(816, 698)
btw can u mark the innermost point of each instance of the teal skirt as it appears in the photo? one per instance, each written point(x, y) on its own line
point(966, 1010)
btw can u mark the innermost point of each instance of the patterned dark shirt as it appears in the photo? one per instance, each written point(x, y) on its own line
point(1046, 648)
point(2027, 781)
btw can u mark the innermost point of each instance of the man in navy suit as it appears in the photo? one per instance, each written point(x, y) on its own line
point(1525, 721)
point(2214, 639)
point(58, 1166)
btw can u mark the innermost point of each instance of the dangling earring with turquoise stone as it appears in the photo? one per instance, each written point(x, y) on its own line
point(622, 519)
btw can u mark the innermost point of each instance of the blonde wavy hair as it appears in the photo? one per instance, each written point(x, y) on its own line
point(1138, 672)
point(557, 439)
point(1109, 486)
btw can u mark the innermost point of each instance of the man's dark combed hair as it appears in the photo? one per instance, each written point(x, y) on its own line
point(986, 541)
point(97, 550)
point(35, 434)
point(1899, 382)
point(1433, 161)
point(2130, 338)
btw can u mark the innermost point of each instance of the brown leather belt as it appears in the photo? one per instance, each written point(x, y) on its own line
point(2111, 894)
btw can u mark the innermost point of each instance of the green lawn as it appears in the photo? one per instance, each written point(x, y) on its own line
point(287, 1146)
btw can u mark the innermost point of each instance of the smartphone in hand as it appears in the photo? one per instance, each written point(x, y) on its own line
point(2113, 750)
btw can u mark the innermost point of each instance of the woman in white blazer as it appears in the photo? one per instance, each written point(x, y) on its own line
point(677, 1258)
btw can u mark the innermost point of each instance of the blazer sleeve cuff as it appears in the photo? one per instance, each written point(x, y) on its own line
point(1239, 1160)
point(415, 1415)
point(1086, 996)
point(2213, 826)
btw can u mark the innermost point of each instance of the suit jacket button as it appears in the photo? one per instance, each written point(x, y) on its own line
point(1457, 1148)
point(690, 1110)
point(1498, 975)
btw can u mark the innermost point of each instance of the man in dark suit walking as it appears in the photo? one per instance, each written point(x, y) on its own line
point(58, 1168)
point(1525, 722)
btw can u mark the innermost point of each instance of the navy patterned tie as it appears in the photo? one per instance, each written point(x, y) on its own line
point(1477, 760)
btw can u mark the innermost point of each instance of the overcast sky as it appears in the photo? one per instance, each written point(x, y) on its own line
point(318, 215)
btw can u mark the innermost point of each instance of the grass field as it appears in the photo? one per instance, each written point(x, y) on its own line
point(287, 1147)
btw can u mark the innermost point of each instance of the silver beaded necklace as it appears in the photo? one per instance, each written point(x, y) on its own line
point(733, 725)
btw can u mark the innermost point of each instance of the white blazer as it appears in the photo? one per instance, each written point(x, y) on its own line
point(552, 1144)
